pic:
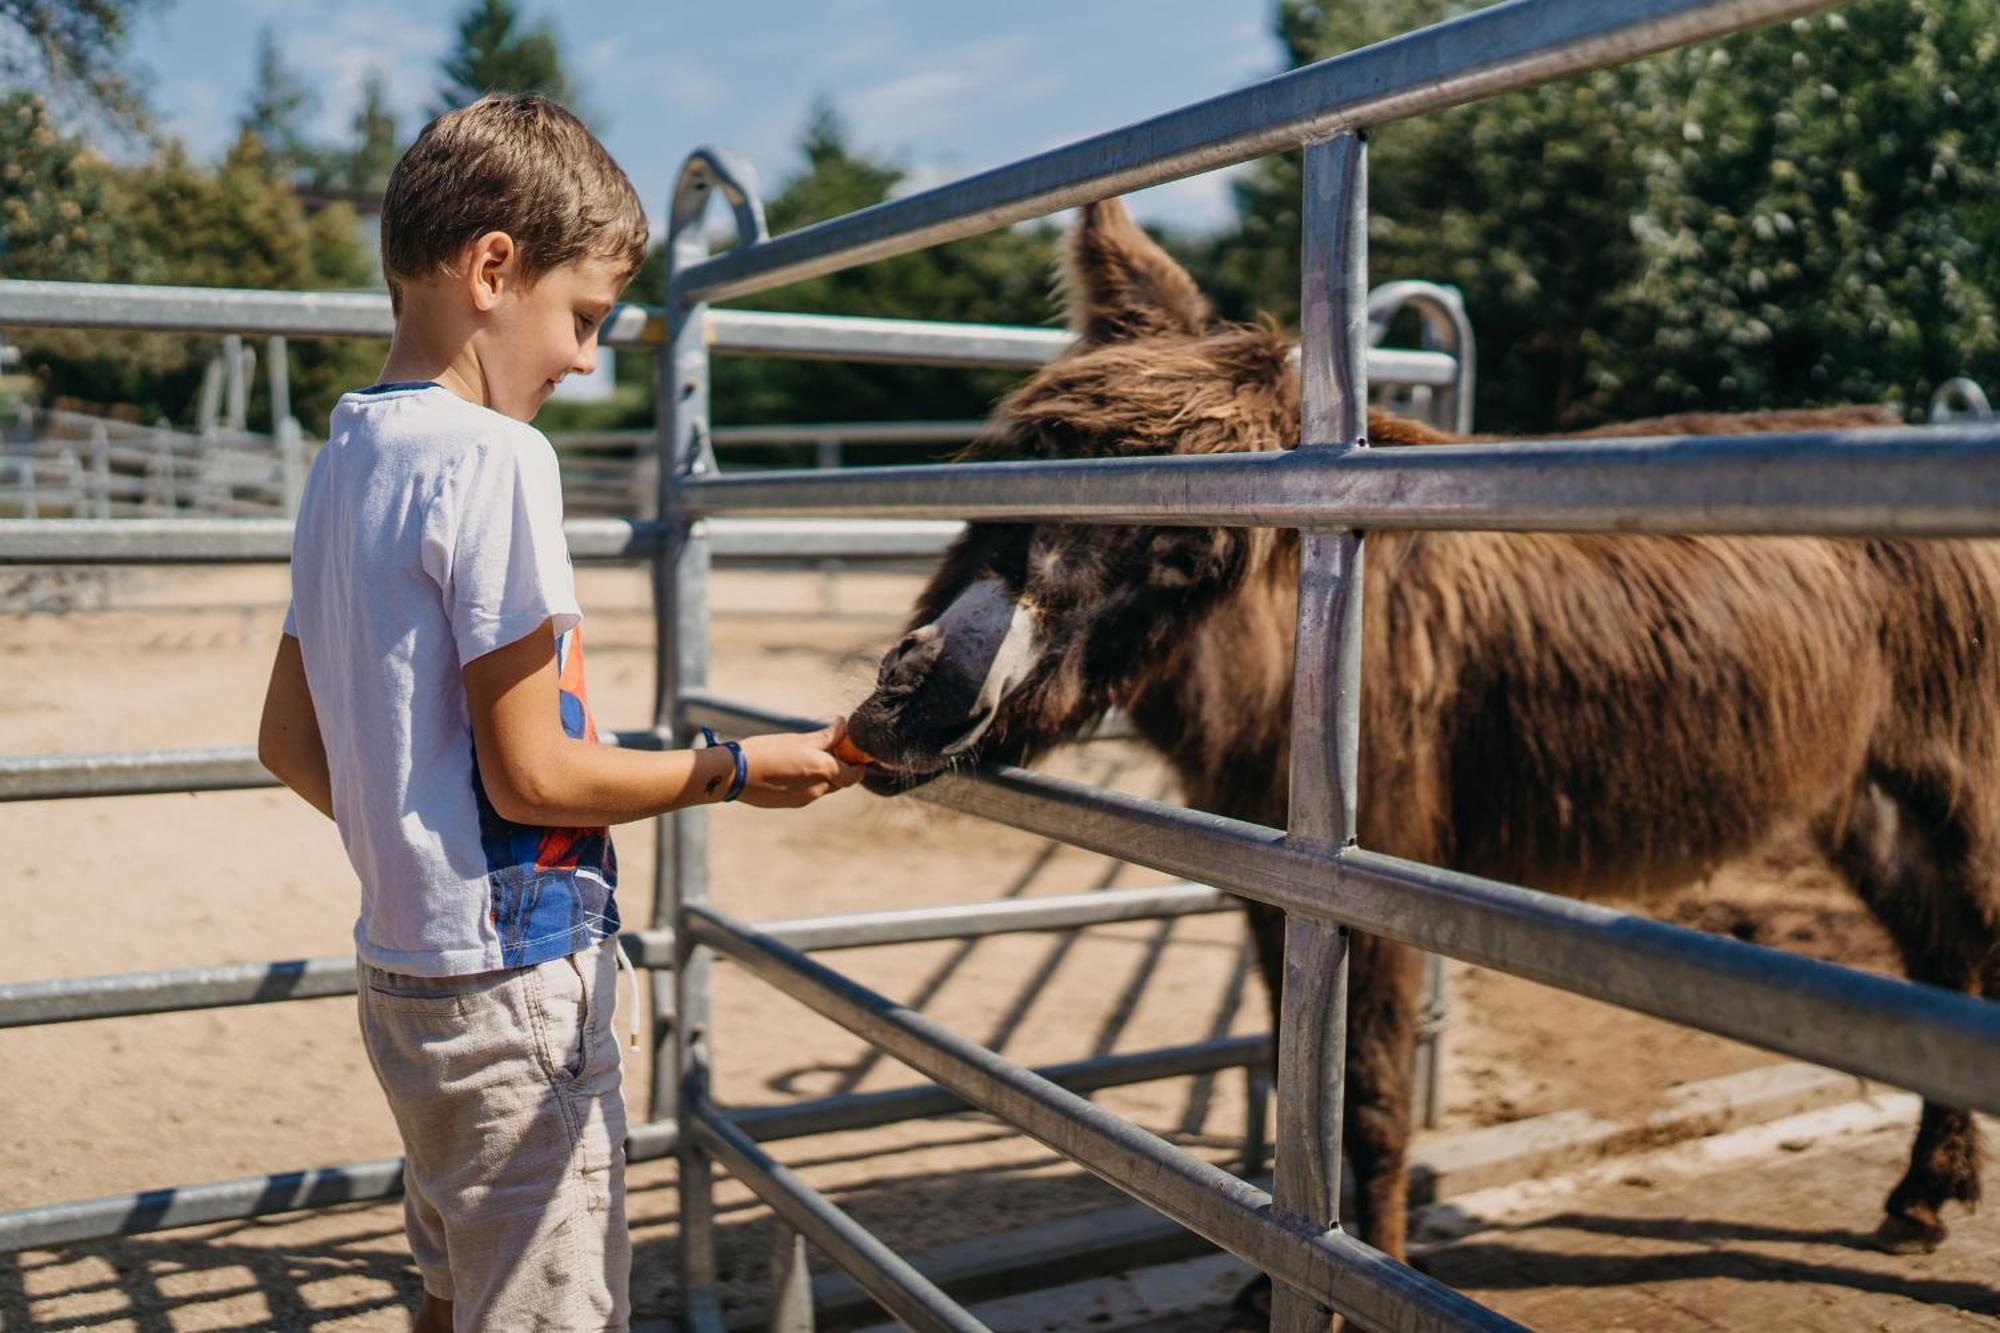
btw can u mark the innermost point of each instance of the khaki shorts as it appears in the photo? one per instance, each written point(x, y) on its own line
point(506, 1088)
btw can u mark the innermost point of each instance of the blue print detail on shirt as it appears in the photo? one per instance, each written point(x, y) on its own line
point(550, 889)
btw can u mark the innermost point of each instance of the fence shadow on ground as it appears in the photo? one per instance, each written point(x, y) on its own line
point(1703, 1248)
point(245, 1275)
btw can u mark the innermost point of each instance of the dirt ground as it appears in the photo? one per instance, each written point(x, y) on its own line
point(127, 884)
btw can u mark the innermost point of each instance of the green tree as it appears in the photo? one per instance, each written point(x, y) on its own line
point(238, 225)
point(277, 108)
point(498, 53)
point(366, 166)
point(75, 50)
point(55, 218)
point(1801, 214)
point(1820, 215)
point(1001, 277)
point(1524, 202)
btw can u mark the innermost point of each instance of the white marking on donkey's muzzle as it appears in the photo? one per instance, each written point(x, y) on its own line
point(984, 622)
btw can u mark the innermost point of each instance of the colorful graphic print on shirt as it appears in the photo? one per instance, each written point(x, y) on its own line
point(550, 889)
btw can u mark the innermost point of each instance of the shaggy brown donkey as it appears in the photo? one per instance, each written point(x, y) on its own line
point(1582, 714)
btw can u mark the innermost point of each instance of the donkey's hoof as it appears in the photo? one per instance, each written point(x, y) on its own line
point(1903, 1234)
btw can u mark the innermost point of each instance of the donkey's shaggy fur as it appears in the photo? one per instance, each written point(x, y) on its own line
point(1583, 714)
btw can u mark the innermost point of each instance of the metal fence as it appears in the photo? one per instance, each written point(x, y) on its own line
point(1915, 482)
point(1918, 482)
point(181, 526)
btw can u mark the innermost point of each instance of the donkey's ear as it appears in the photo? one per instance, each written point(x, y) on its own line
point(1118, 284)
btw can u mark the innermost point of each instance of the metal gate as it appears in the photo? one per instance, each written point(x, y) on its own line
point(1915, 482)
point(1331, 488)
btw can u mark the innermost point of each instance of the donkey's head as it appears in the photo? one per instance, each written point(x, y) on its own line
point(1028, 633)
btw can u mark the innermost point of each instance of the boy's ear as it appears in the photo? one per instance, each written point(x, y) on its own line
point(1118, 284)
point(489, 266)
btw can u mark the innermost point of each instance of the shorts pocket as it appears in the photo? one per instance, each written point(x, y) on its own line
point(415, 1000)
point(562, 999)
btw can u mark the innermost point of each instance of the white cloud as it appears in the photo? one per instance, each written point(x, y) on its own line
point(943, 92)
point(335, 49)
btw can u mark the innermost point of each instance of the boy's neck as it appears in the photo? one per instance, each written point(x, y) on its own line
point(429, 344)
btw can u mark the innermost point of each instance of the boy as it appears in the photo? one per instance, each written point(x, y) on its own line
point(434, 630)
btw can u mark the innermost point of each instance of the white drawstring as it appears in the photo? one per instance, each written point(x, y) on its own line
point(632, 990)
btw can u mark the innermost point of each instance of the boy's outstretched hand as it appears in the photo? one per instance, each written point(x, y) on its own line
point(791, 769)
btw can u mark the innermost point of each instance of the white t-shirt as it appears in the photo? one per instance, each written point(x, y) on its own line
point(429, 534)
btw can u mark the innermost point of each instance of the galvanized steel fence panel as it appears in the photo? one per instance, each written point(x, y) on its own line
point(1903, 482)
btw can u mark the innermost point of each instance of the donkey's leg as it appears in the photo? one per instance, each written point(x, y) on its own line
point(1252, 1305)
point(1925, 867)
point(1383, 981)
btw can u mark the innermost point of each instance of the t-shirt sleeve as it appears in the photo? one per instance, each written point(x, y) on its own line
point(493, 542)
point(292, 619)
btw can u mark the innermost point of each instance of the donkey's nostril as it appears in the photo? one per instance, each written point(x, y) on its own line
point(910, 655)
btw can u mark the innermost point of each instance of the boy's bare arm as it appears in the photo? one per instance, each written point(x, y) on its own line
point(288, 739)
point(535, 773)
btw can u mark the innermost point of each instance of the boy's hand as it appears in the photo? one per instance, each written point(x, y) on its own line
point(792, 769)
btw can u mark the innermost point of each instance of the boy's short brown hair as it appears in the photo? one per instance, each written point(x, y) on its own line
point(513, 162)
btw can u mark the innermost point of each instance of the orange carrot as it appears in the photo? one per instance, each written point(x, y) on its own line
point(847, 752)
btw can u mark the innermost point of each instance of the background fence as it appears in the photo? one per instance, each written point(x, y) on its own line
point(1917, 482)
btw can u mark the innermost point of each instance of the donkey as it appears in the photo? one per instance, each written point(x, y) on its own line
point(1584, 714)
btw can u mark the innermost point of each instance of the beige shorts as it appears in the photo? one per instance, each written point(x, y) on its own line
point(506, 1088)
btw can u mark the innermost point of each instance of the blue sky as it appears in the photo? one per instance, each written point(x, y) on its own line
point(943, 86)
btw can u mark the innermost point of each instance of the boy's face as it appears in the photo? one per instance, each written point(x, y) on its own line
point(536, 333)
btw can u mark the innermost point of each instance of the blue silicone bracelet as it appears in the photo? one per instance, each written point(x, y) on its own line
point(742, 771)
point(742, 777)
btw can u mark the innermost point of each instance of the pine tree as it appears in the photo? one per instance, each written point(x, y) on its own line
point(75, 51)
point(497, 53)
point(367, 165)
point(277, 108)
point(1001, 277)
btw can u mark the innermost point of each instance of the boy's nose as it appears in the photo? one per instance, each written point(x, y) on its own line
point(586, 359)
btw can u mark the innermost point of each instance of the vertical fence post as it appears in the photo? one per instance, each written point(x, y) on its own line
point(791, 1282)
point(100, 469)
point(680, 1000)
point(680, 1003)
point(1312, 1035)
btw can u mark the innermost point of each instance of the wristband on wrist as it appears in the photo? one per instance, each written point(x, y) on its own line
point(742, 776)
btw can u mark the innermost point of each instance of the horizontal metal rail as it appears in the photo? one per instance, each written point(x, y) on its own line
point(225, 541)
point(222, 541)
point(108, 305)
point(230, 985)
point(54, 777)
point(1944, 1045)
point(900, 1289)
point(42, 1225)
point(924, 342)
point(1358, 1280)
point(847, 433)
point(860, 338)
point(1491, 51)
point(865, 1110)
point(1938, 481)
point(751, 541)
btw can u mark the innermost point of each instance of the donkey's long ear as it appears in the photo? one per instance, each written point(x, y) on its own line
point(1118, 284)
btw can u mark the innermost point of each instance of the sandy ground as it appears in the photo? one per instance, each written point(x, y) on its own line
point(127, 884)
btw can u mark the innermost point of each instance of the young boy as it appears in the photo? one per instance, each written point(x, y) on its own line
point(428, 695)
